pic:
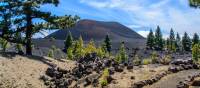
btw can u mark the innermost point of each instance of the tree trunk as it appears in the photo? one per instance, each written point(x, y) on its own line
point(29, 35)
point(28, 42)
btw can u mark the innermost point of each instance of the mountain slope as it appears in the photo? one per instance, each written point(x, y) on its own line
point(97, 30)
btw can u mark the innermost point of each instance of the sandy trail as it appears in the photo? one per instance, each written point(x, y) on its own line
point(172, 80)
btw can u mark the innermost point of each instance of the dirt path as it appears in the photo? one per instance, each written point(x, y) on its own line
point(172, 80)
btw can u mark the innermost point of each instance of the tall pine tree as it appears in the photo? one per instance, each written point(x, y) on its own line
point(122, 56)
point(172, 39)
point(68, 41)
point(80, 52)
point(168, 44)
point(159, 43)
point(150, 40)
point(178, 42)
point(186, 42)
point(107, 43)
point(24, 12)
point(195, 39)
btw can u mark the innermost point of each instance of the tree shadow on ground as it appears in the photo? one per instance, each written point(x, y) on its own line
point(11, 55)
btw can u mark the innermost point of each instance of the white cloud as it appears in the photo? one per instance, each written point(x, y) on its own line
point(166, 13)
point(103, 3)
point(143, 33)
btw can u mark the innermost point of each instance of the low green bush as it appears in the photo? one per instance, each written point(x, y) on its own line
point(51, 53)
point(103, 79)
point(146, 61)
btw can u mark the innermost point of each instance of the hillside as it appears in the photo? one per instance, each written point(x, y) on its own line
point(97, 30)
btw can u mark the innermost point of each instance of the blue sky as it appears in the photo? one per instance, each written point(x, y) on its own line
point(139, 15)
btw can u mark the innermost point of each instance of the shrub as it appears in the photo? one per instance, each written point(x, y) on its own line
point(4, 44)
point(70, 54)
point(19, 48)
point(54, 48)
point(146, 61)
point(118, 58)
point(90, 48)
point(166, 60)
point(100, 52)
point(51, 53)
point(103, 79)
point(136, 60)
point(103, 82)
point(154, 58)
point(196, 52)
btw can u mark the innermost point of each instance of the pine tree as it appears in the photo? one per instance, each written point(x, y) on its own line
point(194, 3)
point(68, 41)
point(168, 44)
point(178, 42)
point(150, 40)
point(159, 43)
point(186, 42)
point(172, 39)
point(22, 13)
point(79, 52)
point(90, 48)
point(196, 52)
point(107, 43)
point(195, 39)
point(122, 56)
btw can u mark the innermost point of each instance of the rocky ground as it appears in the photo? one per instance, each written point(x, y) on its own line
point(172, 80)
point(43, 72)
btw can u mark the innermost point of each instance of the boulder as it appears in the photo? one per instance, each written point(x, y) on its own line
point(109, 79)
point(118, 69)
point(87, 81)
point(111, 70)
point(130, 67)
point(132, 77)
point(44, 78)
point(138, 85)
point(50, 72)
point(173, 69)
point(195, 66)
point(107, 62)
point(196, 83)
point(63, 71)
point(182, 85)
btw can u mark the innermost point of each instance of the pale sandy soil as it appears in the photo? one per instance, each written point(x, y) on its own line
point(124, 79)
point(24, 72)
